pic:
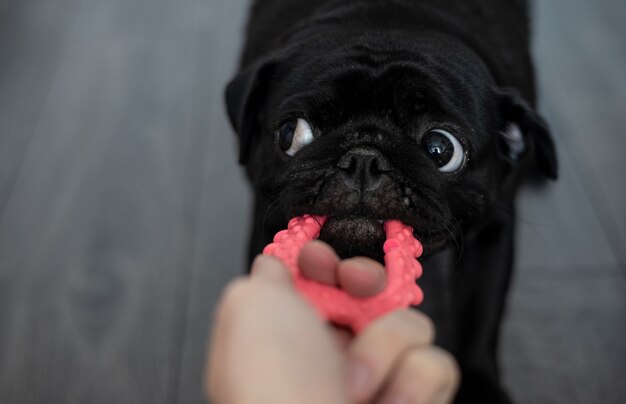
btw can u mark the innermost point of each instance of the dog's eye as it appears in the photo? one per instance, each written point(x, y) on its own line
point(293, 136)
point(444, 149)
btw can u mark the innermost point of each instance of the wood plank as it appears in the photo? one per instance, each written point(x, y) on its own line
point(223, 214)
point(32, 41)
point(564, 338)
point(565, 322)
point(31, 45)
point(555, 224)
point(94, 241)
point(581, 60)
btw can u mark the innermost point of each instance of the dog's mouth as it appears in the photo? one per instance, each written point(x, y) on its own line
point(352, 236)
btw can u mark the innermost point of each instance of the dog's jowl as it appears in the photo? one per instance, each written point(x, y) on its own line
point(422, 111)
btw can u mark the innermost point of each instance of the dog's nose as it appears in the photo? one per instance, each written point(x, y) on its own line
point(363, 168)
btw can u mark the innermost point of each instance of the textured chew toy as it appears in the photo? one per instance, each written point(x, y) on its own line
point(336, 305)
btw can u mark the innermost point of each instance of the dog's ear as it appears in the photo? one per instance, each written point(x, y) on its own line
point(525, 131)
point(245, 95)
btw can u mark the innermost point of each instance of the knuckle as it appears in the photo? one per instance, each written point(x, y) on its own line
point(235, 292)
point(236, 288)
point(450, 371)
point(426, 324)
point(403, 329)
point(396, 326)
point(420, 323)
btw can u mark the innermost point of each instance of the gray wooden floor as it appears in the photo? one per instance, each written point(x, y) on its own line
point(123, 212)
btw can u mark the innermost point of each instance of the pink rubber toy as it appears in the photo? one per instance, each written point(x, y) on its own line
point(336, 305)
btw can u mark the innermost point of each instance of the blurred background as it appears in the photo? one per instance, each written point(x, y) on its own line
point(123, 211)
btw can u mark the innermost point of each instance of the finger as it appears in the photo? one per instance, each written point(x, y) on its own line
point(428, 375)
point(374, 351)
point(361, 276)
point(279, 321)
point(268, 268)
point(318, 262)
point(343, 336)
point(217, 352)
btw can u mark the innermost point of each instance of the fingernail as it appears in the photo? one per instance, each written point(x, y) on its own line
point(359, 380)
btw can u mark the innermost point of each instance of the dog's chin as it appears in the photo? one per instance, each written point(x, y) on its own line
point(352, 236)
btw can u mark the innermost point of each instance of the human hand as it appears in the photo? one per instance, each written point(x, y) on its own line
point(269, 345)
point(393, 359)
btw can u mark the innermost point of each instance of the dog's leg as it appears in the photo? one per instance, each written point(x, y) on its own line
point(482, 286)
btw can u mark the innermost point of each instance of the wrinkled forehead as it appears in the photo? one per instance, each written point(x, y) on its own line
point(375, 73)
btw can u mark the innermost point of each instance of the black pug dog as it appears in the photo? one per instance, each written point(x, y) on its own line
point(417, 110)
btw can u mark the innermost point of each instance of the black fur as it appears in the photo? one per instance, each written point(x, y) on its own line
point(374, 77)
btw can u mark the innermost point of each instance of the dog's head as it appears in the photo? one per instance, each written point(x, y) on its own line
point(385, 128)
